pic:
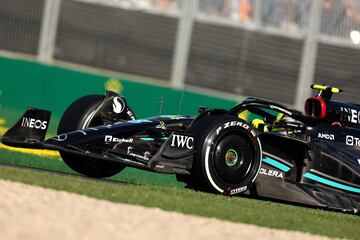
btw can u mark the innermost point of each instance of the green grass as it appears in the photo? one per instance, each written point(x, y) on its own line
point(160, 190)
point(236, 209)
point(130, 175)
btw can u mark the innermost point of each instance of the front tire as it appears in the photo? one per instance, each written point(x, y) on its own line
point(78, 116)
point(228, 156)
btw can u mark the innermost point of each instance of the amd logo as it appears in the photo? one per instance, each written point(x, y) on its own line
point(326, 136)
point(182, 141)
point(33, 123)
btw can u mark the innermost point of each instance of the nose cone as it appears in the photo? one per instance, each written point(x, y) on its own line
point(65, 139)
point(58, 140)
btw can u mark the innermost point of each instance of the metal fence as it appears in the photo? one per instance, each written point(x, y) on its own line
point(20, 23)
point(263, 48)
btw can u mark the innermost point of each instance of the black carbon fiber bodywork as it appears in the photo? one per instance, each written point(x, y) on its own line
point(309, 160)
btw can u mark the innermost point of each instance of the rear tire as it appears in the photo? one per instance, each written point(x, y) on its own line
point(78, 116)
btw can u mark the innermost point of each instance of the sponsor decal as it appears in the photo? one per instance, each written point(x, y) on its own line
point(111, 139)
point(352, 115)
point(281, 109)
point(236, 123)
point(145, 157)
point(238, 190)
point(161, 125)
point(271, 173)
point(352, 141)
point(233, 124)
point(60, 138)
point(326, 136)
point(33, 123)
point(182, 141)
point(118, 105)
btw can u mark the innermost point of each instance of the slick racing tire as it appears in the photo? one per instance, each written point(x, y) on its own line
point(78, 116)
point(228, 155)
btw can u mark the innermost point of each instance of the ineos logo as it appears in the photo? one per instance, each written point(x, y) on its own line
point(33, 123)
point(353, 115)
point(118, 105)
point(182, 141)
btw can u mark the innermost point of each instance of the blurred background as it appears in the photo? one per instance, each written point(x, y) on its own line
point(169, 57)
point(222, 49)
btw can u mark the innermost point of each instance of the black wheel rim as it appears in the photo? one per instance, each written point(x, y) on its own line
point(233, 157)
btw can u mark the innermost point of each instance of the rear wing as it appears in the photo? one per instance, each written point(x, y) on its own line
point(30, 129)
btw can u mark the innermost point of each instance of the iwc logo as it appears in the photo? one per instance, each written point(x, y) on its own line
point(182, 141)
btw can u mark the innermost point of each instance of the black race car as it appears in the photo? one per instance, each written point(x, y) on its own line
point(258, 147)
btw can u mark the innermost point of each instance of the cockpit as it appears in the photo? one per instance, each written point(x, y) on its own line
point(266, 119)
point(268, 116)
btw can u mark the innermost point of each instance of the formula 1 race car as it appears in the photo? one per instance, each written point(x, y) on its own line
point(258, 147)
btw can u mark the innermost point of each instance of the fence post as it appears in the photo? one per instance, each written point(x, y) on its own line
point(257, 13)
point(183, 43)
point(308, 62)
point(49, 24)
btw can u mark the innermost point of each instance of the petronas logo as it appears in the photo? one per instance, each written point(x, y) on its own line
point(114, 85)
